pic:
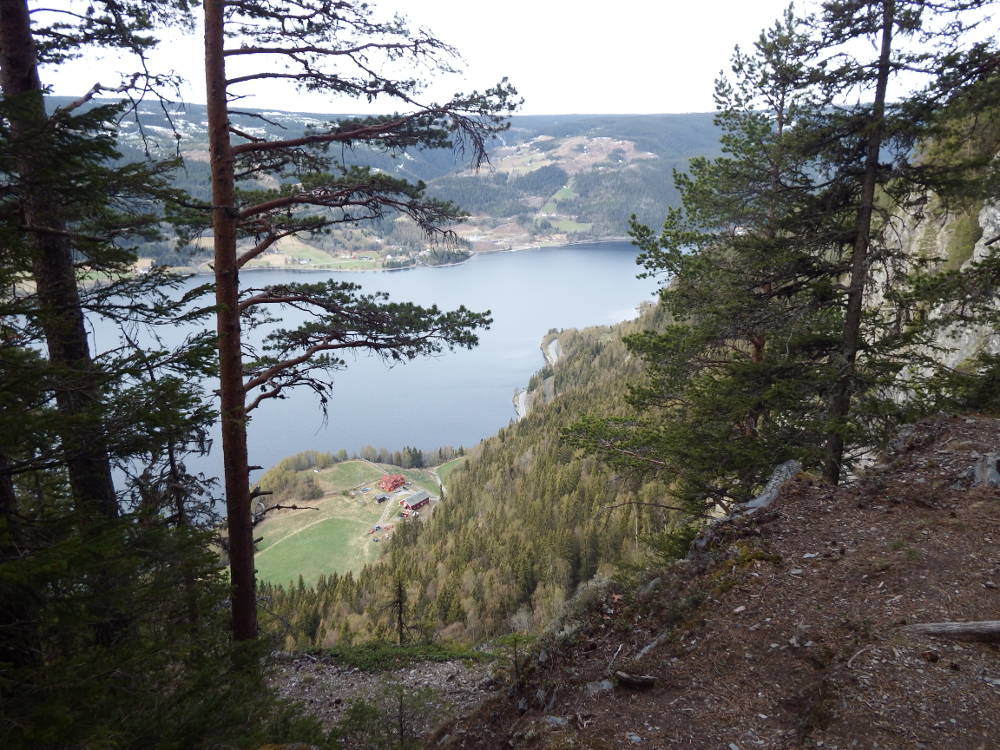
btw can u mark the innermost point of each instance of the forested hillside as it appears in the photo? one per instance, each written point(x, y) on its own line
point(522, 525)
point(550, 179)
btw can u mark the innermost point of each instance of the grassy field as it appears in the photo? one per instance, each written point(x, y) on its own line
point(348, 475)
point(564, 193)
point(568, 225)
point(350, 264)
point(310, 542)
point(445, 470)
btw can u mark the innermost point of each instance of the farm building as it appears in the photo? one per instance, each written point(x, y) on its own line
point(417, 500)
point(390, 482)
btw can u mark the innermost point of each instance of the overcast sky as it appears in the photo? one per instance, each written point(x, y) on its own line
point(564, 56)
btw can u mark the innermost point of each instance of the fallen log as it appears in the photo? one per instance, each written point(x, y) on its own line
point(635, 681)
point(982, 630)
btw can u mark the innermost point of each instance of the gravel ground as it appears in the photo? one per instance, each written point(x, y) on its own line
point(327, 689)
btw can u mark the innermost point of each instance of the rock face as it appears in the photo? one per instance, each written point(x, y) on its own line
point(525, 400)
point(933, 235)
point(986, 472)
point(966, 342)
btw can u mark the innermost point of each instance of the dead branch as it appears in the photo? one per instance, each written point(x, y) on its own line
point(98, 88)
point(982, 630)
point(635, 681)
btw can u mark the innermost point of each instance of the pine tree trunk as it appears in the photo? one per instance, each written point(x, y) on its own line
point(232, 396)
point(18, 633)
point(843, 390)
point(60, 312)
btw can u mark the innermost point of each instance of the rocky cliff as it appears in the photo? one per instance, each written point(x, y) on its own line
point(958, 239)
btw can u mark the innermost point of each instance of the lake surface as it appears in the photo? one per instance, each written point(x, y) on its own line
point(456, 398)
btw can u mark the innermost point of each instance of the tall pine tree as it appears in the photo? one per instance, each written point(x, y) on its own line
point(784, 341)
point(337, 49)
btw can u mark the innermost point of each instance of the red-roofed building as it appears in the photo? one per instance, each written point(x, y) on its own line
point(391, 482)
point(415, 501)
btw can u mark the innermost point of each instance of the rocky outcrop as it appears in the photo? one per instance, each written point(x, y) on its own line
point(947, 236)
point(526, 399)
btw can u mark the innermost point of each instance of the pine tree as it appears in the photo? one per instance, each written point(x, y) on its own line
point(748, 311)
point(317, 46)
point(916, 36)
point(776, 347)
point(108, 574)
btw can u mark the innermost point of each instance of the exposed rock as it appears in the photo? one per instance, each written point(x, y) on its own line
point(781, 474)
point(599, 687)
point(549, 389)
point(552, 352)
point(635, 681)
point(555, 722)
point(986, 472)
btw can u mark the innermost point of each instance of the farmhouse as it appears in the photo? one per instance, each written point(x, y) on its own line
point(417, 500)
point(390, 482)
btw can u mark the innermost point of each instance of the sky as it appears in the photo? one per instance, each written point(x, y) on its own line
point(563, 56)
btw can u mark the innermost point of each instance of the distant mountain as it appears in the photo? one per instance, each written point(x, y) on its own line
point(552, 179)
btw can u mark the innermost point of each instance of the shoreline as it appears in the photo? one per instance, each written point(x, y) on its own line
point(201, 271)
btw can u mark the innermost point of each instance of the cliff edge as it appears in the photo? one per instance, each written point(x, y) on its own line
point(789, 629)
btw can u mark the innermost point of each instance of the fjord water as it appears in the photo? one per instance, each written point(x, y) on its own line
point(456, 398)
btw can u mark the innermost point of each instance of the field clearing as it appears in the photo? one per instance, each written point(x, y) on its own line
point(311, 542)
point(334, 537)
point(445, 470)
point(568, 225)
point(298, 249)
point(352, 264)
point(564, 193)
point(334, 544)
point(348, 475)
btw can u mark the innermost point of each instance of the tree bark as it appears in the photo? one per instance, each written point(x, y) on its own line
point(77, 392)
point(232, 396)
point(843, 389)
point(18, 632)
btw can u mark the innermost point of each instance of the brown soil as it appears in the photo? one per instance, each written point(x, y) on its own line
point(787, 631)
